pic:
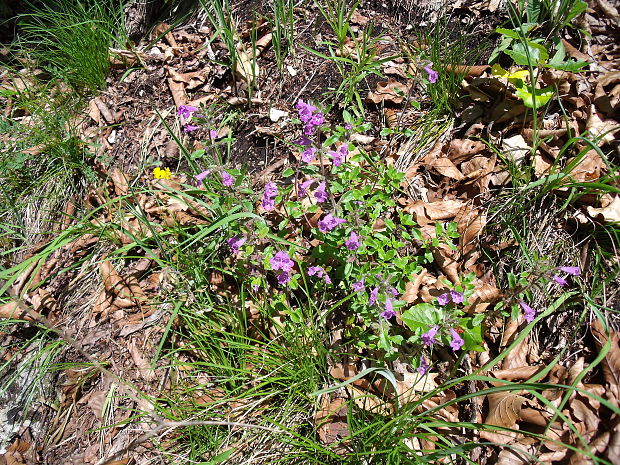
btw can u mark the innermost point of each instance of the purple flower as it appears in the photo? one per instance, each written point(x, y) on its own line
point(428, 338)
point(305, 110)
point(443, 299)
point(561, 281)
point(213, 134)
point(389, 310)
point(529, 312)
point(432, 74)
point(321, 194)
point(308, 155)
point(353, 242)
point(457, 341)
point(186, 111)
point(281, 261)
point(283, 277)
point(227, 179)
point(303, 140)
point(271, 191)
point(358, 285)
point(203, 175)
point(457, 297)
point(572, 270)
point(373, 296)
point(336, 156)
point(423, 368)
point(190, 127)
point(348, 126)
point(320, 273)
point(329, 222)
point(394, 291)
point(235, 242)
point(317, 119)
point(301, 191)
point(268, 204)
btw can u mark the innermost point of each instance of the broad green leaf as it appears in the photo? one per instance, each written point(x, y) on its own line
point(422, 316)
point(542, 96)
point(472, 335)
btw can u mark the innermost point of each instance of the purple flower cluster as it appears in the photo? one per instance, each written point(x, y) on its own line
point(235, 243)
point(320, 273)
point(353, 242)
point(329, 222)
point(281, 261)
point(269, 197)
point(340, 155)
point(389, 309)
point(528, 312)
point(432, 74)
point(200, 177)
point(321, 194)
point(457, 341)
point(309, 115)
point(308, 155)
point(456, 297)
point(227, 179)
point(186, 111)
point(571, 270)
point(359, 285)
point(428, 338)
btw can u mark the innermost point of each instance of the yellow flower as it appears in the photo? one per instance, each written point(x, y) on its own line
point(160, 173)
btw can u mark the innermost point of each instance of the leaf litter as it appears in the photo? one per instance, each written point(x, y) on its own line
point(463, 173)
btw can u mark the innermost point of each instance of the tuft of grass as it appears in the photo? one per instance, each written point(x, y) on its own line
point(70, 39)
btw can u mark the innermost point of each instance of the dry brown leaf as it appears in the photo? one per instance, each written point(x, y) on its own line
point(516, 373)
point(330, 420)
point(464, 149)
point(390, 90)
point(369, 402)
point(611, 362)
point(104, 110)
point(19, 311)
point(588, 420)
point(192, 80)
point(412, 289)
point(444, 209)
point(445, 167)
point(504, 410)
point(610, 213)
point(613, 449)
point(165, 30)
point(177, 89)
point(141, 362)
point(121, 186)
point(602, 127)
point(521, 453)
point(597, 446)
point(589, 167)
point(448, 260)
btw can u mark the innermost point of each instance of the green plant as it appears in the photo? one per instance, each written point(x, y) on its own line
point(338, 14)
point(553, 15)
point(441, 56)
point(71, 40)
point(283, 27)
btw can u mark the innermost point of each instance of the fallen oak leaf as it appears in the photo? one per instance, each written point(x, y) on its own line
point(390, 90)
point(610, 213)
point(504, 410)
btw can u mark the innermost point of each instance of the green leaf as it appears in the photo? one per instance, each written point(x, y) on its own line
point(529, 54)
point(288, 172)
point(542, 96)
point(578, 7)
point(472, 335)
point(422, 316)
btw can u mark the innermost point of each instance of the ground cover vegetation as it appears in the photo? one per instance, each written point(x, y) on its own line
point(347, 232)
